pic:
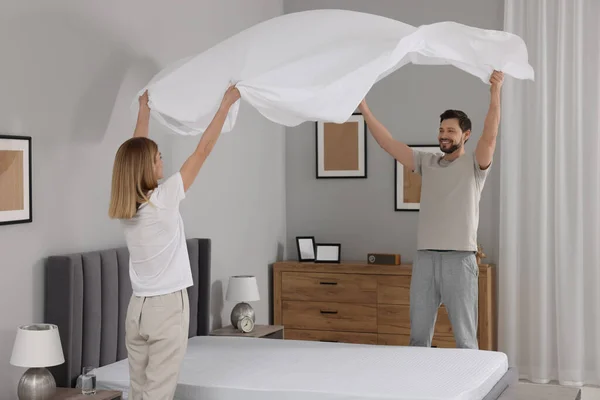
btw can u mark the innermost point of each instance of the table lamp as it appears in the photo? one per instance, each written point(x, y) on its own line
point(36, 347)
point(242, 289)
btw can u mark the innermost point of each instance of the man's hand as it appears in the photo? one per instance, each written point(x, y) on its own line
point(362, 107)
point(484, 153)
point(496, 81)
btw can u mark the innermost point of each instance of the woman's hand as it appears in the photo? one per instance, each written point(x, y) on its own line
point(230, 97)
point(143, 99)
point(143, 120)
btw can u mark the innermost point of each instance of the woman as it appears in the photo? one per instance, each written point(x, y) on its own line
point(159, 267)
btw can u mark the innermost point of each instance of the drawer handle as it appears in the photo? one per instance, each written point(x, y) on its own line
point(328, 312)
point(328, 283)
point(329, 341)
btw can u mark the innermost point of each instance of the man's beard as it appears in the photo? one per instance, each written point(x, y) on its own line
point(451, 149)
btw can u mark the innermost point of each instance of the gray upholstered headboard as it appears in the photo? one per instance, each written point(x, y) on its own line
point(87, 296)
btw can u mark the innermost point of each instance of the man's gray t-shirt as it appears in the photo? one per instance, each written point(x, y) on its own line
point(450, 194)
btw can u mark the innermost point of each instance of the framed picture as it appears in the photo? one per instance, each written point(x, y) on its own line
point(328, 253)
point(15, 180)
point(342, 148)
point(306, 248)
point(407, 191)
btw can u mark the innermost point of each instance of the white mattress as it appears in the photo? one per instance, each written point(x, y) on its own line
point(230, 368)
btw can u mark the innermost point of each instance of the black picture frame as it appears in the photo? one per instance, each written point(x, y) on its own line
point(399, 205)
point(339, 253)
point(364, 174)
point(312, 239)
point(28, 186)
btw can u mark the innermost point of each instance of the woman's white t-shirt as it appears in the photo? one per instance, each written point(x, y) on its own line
point(158, 258)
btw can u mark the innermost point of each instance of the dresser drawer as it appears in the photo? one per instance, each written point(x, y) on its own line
point(393, 340)
point(341, 288)
point(330, 316)
point(443, 326)
point(404, 340)
point(443, 341)
point(393, 289)
point(395, 319)
point(329, 336)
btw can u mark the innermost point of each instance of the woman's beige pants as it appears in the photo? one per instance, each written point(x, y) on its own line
point(156, 334)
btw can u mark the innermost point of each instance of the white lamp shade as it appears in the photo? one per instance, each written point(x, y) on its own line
point(242, 288)
point(37, 346)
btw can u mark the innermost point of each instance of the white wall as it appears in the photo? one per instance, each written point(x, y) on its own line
point(359, 213)
point(69, 70)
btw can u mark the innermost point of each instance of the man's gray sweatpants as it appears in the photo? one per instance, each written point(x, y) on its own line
point(449, 278)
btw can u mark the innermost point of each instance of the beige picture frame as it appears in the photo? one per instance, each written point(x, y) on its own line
point(407, 184)
point(341, 149)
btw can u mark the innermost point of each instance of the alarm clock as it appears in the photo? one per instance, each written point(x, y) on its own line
point(245, 324)
point(384, 259)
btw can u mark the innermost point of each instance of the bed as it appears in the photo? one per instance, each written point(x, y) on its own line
point(87, 294)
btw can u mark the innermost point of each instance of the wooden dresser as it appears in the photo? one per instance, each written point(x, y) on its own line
point(362, 303)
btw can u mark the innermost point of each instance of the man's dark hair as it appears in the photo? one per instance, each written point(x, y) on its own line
point(463, 121)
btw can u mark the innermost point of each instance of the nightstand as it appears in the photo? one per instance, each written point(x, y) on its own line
point(75, 394)
point(260, 331)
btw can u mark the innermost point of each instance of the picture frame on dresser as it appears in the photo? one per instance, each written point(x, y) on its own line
point(407, 184)
point(328, 253)
point(306, 248)
point(16, 203)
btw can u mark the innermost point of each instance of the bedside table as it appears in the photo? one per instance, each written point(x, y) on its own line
point(260, 331)
point(75, 394)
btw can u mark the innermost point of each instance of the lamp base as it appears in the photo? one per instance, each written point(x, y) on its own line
point(36, 384)
point(241, 310)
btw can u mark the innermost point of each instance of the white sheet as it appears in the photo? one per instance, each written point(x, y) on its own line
point(318, 65)
point(233, 368)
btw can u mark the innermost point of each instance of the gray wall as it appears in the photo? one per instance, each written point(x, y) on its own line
point(359, 213)
point(69, 72)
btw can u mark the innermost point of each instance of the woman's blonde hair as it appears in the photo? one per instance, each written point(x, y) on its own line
point(133, 177)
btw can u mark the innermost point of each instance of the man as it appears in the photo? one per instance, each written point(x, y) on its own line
point(445, 269)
